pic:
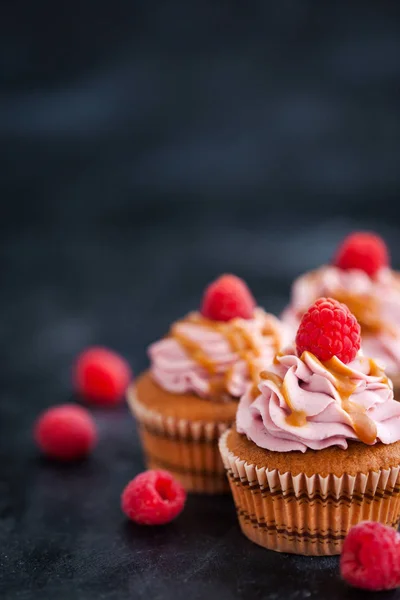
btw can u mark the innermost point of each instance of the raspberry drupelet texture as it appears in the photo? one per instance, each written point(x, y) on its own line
point(101, 376)
point(370, 557)
point(153, 498)
point(329, 329)
point(65, 432)
point(226, 298)
point(362, 250)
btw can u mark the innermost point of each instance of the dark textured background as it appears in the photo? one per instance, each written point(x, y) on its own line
point(145, 148)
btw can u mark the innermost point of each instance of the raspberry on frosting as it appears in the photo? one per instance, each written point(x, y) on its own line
point(328, 329)
point(226, 298)
point(362, 250)
point(370, 557)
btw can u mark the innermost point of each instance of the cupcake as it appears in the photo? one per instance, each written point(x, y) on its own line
point(198, 372)
point(360, 277)
point(316, 447)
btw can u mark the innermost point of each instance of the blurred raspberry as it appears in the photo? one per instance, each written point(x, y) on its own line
point(370, 557)
point(101, 376)
point(226, 298)
point(65, 432)
point(362, 250)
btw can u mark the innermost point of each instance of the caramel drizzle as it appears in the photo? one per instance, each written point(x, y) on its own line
point(277, 356)
point(363, 426)
point(296, 418)
point(376, 371)
point(240, 341)
point(365, 308)
point(195, 352)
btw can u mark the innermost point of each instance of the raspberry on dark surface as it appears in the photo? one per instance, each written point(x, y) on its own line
point(328, 329)
point(153, 498)
point(65, 432)
point(363, 250)
point(226, 298)
point(101, 376)
point(370, 557)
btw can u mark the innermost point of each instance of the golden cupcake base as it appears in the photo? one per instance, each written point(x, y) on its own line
point(171, 440)
point(303, 512)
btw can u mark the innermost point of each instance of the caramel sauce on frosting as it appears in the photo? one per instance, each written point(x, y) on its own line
point(296, 418)
point(195, 352)
point(239, 339)
point(272, 377)
point(365, 308)
point(277, 357)
point(364, 427)
point(376, 371)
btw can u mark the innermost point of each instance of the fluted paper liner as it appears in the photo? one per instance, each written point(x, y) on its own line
point(308, 515)
point(188, 449)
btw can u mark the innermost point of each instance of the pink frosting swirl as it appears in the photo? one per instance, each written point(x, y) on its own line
point(316, 397)
point(176, 370)
point(383, 290)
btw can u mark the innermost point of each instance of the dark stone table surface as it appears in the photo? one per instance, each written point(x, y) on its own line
point(147, 147)
point(62, 534)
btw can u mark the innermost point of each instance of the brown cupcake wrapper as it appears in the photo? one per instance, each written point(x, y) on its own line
point(308, 515)
point(188, 449)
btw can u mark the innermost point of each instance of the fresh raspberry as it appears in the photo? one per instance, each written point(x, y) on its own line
point(65, 432)
point(153, 498)
point(226, 298)
point(362, 250)
point(101, 376)
point(329, 329)
point(370, 557)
